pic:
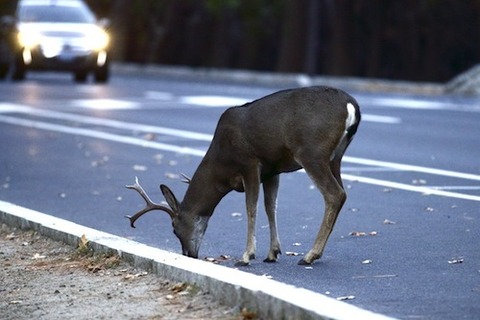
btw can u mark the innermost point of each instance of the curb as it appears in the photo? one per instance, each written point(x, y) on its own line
point(268, 298)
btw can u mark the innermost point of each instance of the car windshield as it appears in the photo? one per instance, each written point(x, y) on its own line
point(55, 13)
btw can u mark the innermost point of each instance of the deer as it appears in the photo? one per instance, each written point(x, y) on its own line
point(309, 128)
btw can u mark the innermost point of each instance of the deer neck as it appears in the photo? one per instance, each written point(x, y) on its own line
point(203, 193)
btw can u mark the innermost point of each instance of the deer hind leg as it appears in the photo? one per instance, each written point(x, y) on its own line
point(334, 196)
point(270, 191)
point(251, 184)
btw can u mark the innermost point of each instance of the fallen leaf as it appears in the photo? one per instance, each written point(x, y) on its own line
point(368, 261)
point(357, 234)
point(38, 256)
point(138, 167)
point(83, 243)
point(291, 253)
point(345, 298)
point(171, 175)
point(296, 244)
point(419, 181)
point(386, 221)
point(455, 261)
point(149, 136)
point(10, 236)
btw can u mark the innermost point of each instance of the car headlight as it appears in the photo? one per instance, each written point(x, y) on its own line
point(99, 40)
point(29, 38)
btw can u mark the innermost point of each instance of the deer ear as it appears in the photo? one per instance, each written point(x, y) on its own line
point(170, 198)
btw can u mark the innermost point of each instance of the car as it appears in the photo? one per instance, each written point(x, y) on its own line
point(55, 35)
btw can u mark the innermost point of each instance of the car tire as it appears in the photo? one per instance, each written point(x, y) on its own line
point(3, 70)
point(18, 68)
point(102, 74)
point(81, 76)
point(19, 72)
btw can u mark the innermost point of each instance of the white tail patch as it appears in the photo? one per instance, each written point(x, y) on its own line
point(351, 116)
point(348, 123)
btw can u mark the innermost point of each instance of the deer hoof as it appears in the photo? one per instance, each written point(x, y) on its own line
point(242, 264)
point(302, 262)
point(269, 260)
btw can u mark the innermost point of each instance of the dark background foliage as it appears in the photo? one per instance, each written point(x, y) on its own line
point(420, 40)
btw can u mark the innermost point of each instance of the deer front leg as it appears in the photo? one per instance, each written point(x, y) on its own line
point(270, 191)
point(334, 197)
point(251, 186)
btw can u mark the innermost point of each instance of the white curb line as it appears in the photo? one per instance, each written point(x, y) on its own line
point(268, 298)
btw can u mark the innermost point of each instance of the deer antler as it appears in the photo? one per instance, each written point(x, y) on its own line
point(186, 179)
point(150, 204)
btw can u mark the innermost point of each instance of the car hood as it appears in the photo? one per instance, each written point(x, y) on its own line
point(60, 30)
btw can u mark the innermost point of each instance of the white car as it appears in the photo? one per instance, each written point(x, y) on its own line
point(59, 35)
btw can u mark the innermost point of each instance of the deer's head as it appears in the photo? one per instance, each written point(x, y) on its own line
point(188, 228)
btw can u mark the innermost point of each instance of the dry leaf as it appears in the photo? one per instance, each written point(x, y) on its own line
point(345, 298)
point(83, 244)
point(357, 234)
point(171, 175)
point(149, 136)
point(368, 261)
point(38, 256)
point(138, 167)
point(455, 261)
point(10, 236)
point(291, 253)
point(386, 221)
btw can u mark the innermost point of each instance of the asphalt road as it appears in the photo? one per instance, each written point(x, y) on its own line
point(406, 243)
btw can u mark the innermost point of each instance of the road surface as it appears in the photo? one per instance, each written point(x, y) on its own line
point(406, 243)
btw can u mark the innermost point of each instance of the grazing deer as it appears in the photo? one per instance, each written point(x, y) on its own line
point(306, 128)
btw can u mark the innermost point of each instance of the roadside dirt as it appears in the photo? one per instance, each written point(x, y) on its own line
point(45, 279)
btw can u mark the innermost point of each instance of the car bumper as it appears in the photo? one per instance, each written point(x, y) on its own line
point(36, 59)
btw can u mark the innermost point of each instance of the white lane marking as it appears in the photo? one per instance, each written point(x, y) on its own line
point(417, 104)
point(455, 187)
point(404, 103)
point(159, 95)
point(200, 153)
point(5, 107)
point(380, 119)
point(213, 101)
point(104, 104)
point(100, 135)
point(402, 186)
point(407, 167)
